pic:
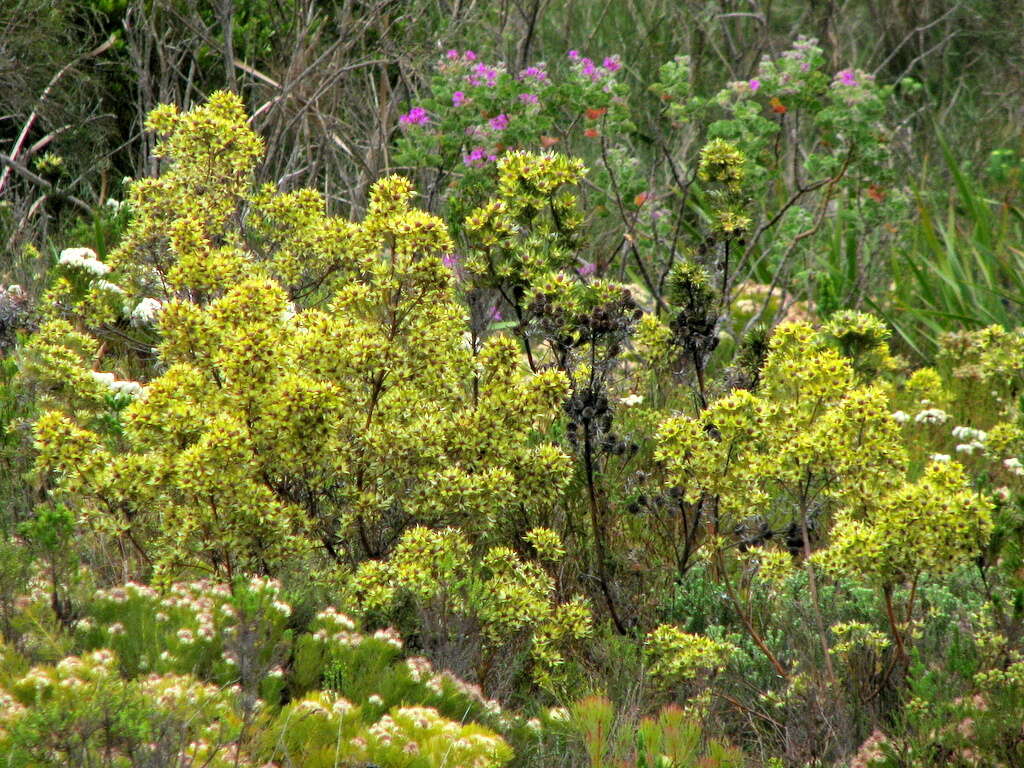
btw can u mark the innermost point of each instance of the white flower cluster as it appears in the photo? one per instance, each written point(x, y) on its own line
point(1014, 466)
point(900, 417)
point(940, 457)
point(419, 668)
point(106, 285)
point(83, 258)
point(117, 386)
point(389, 636)
point(334, 617)
point(146, 310)
point(932, 416)
point(973, 440)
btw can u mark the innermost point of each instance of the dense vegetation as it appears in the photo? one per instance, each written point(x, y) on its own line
point(384, 384)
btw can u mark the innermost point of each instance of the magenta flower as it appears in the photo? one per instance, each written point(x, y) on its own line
point(586, 269)
point(495, 314)
point(478, 157)
point(415, 116)
point(754, 85)
point(450, 260)
point(452, 53)
point(499, 123)
point(612, 64)
point(574, 55)
point(534, 73)
point(847, 77)
point(469, 56)
point(483, 75)
point(458, 99)
point(528, 98)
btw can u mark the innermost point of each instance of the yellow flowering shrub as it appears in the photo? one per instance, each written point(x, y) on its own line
point(311, 392)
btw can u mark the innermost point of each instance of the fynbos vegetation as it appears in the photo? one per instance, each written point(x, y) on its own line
point(384, 385)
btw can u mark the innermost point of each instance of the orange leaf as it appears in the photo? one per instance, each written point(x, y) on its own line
point(549, 141)
point(640, 199)
point(777, 106)
point(591, 133)
point(876, 193)
point(593, 114)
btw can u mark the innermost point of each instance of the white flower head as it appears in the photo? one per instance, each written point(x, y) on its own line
point(129, 388)
point(106, 285)
point(103, 377)
point(900, 417)
point(83, 258)
point(146, 310)
point(940, 457)
point(932, 416)
point(630, 400)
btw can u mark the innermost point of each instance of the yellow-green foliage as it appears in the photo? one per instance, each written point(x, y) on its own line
point(983, 371)
point(814, 442)
point(323, 731)
point(508, 599)
point(673, 739)
point(928, 526)
point(313, 377)
point(809, 435)
point(80, 712)
point(676, 655)
point(530, 227)
point(200, 670)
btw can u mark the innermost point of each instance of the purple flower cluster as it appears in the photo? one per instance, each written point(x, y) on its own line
point(458, 99)
point(453, 54)
point(483, 75)
point(415, 116)
point(478, 157)
point(534, 73)
point(846, 77)
point(528, 98)
point(754, 84)
point(499, 123)
point(589, 69)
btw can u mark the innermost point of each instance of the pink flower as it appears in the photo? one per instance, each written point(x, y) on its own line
point(458, 99)
point(495, 314)
point(452, 54)
point(450, 260)
point(478, 157)
point(499, 123)
point(483, 75)
point(754, 85)
point(469, 56)
point(415, 116)
point(847, 77)
point(534, 73)
point(612, 64)
point(587, 268)
point(528, 98)
point(574, 55)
